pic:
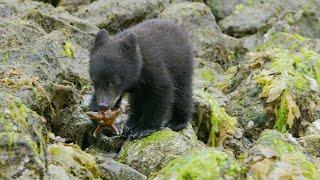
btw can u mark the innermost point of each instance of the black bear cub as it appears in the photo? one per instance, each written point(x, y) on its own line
point(153, 63)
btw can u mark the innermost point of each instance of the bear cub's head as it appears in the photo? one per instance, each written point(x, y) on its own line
point(115, 66)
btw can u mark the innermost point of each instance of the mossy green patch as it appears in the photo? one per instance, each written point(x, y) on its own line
point(239, 8)
point(68, 50)
point(205, 164)
point(207, 75)
point(281, 121)
point(6, 57)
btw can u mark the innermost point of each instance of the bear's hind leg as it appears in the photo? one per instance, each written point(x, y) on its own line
point(183, 104)
point(155, 110)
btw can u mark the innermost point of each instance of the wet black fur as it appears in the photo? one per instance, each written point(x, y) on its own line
point(151, 61)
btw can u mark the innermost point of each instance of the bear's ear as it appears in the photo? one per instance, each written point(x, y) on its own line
point(101, 38)
point(130, 41)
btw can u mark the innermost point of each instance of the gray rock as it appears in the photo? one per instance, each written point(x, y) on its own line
point(116, 15)
point(199, 22)
point(112, 170)
point(249, 20)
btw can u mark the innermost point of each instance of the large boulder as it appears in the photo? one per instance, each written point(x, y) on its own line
point(153, 152)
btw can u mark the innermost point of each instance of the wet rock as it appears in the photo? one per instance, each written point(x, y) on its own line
point(111, 169)
point(204, 33)
point(70, 159)
point(279, 155)
point(152, 153)
point(22, 143)
point(203, 164)
point(117, 15)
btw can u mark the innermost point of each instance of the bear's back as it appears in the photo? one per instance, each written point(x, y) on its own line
point(162, 40)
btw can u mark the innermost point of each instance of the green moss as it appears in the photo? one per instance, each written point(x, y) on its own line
point(281, 121)
point(205, 164)
point(207, 75)
point(289, 18)
point(68, 50)
point(6, 57)
point(239, 8)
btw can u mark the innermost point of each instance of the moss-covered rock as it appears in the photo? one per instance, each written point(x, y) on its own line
point(283, 81)
point(204, 164)
point(212, 124)
point(73, 161)
point(153, 152)
point(279, 155)
point(22, 140)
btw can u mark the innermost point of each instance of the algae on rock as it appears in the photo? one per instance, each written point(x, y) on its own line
point(201, 164)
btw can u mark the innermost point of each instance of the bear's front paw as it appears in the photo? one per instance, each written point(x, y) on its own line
point(140, 134)
point(126, 131)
